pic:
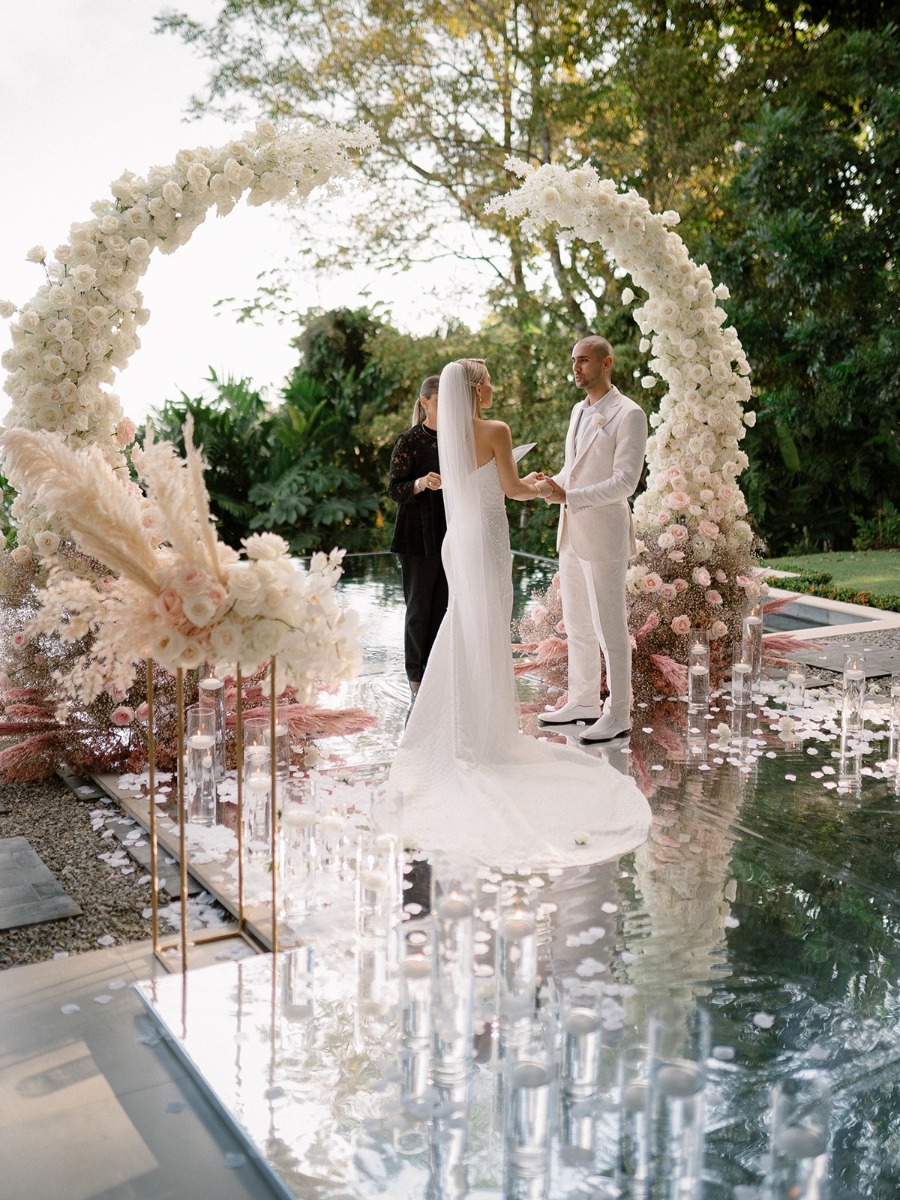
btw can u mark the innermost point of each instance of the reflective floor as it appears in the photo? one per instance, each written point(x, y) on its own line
point(768, 893)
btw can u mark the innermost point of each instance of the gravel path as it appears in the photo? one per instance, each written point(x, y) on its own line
point(59, 829)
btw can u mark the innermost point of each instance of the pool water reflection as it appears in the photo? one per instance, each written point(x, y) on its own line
point(768, 892)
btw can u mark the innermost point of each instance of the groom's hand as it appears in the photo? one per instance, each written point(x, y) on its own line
point(551, 491)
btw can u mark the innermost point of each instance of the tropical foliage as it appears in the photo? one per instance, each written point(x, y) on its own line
point(771, 128)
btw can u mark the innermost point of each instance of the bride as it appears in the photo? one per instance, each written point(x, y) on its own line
point(471, 784)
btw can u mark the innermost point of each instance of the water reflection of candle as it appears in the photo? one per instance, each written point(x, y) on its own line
point(455, 908)
point(698, 669)
point(678, 1079)
point(517, 928)
point(634, 1097)
point(800, 1141)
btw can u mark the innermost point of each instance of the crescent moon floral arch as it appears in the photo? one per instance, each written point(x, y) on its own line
point(695, 560)
point(107, 573)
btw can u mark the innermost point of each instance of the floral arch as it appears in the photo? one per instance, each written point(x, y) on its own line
point(695, 561)
point(82, 326)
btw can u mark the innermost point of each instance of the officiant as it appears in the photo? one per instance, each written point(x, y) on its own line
point(415, 484)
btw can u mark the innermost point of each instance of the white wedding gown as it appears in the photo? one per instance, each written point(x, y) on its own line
point(472, 785)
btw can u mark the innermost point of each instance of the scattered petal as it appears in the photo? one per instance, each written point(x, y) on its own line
point(763, 1020)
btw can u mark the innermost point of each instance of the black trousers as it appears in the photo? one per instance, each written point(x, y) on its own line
point(425, 593)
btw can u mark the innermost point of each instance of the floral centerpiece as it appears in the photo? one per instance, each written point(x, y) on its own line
point(695, 563)
point(173, 592)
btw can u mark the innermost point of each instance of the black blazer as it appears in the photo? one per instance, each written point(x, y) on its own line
point(421, 523)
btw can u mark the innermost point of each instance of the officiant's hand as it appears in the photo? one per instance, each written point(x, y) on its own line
point(427, 483)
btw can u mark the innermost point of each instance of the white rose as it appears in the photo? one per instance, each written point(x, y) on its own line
point(47, 542)
point(198, 176)
point(171, 193)
point(36, 254)
point(7, 308)
point(83, 276)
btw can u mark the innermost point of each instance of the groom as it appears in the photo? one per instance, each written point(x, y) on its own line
point(604, 458)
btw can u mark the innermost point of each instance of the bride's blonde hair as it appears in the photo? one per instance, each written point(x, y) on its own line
point(476, 372)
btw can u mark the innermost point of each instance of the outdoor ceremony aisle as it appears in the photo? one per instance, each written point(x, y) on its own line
point(768, 894)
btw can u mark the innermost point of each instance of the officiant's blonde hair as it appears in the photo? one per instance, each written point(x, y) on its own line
point(429, 388)
point(476, 372)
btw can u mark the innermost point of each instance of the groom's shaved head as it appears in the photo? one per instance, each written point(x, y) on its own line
point(595, 342)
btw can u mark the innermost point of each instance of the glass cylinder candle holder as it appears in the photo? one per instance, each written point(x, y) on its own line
point(377, 885)
point(894, 714)
point(679, 1049)
point(698, 647)
point(853, 698)
point(257, 777)
point(741, 673)
point(200, 772)
point(581, 1031)
point(633, 1104)
point(211, 694)
point(528, 1113)
point(698, 685)
point(298, 853)
point(516, 948)
point(800, 1118)
point(752, 635)
point(796, 685)
point(453, 915)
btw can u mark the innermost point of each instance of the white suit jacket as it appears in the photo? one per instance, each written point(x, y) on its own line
point(602, 475)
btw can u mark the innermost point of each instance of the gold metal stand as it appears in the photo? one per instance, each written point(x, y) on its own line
point(185, 940)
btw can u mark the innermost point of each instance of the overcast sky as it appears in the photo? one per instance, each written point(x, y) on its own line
point(88, 90)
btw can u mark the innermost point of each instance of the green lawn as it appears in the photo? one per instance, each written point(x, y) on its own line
point(875, 571)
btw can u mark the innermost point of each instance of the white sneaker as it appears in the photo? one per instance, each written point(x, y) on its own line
point(570, 714)
point(607, 728)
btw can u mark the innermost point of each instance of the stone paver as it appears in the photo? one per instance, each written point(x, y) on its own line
point(29, 893)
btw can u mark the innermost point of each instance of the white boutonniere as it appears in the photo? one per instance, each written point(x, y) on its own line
point(599, 419)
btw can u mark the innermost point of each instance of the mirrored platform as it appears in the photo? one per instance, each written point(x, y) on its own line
point(768, 894)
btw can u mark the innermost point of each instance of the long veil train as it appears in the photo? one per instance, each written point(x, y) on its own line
point(471, 784)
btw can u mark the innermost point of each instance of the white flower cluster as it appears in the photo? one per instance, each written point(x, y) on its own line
point(81, 327)
point(179, 596)
point(692, 509)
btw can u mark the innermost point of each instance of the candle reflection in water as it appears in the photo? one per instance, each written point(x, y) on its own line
point(679, 1049)
point(799, 1134)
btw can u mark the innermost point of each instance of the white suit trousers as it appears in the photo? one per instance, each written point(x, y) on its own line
point(596, 621)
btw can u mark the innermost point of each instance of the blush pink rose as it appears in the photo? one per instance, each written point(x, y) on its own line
point(675, 556)
point(709, 529)
point(190, 580)
point(679, 532)
point(168, 605)
point(123, 715)
point(713, 598)
point(679, 500)
point(721, 577)
point(701, 575)
point(681, 625)
point(718, 629)
point(668, 591)
point(651, 582)
point(663, 517)
point(680, 585)
point(19, 640)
